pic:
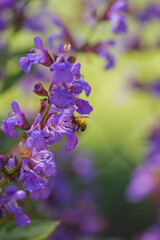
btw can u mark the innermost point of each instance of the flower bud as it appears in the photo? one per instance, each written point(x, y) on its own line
point(40, 90)
point(10, 166)
point(72, 59)
point(67, 47)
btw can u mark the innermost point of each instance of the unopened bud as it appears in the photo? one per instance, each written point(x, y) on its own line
point(11, 165)
point(67, 47)
point(40, 90)
point(72, 59)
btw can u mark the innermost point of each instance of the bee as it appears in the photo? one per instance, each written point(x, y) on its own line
point(79, 122)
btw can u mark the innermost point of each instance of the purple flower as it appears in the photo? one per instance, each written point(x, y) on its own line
point(11, 164)
point(44, 161)
point(38, 22)
point(8, 203)
point(34, 172)
point(117, 17)
point(7, 4)
point(61, 98)
point(71, 141)
point(61, 68)
point(41, 56)
point(33, 182)
point(56, 126)
point(149, 13)
point(142, 184)
point(154, 88)
point(18, 120)
point(83, 107)
point(36, 136)
point(42, 193)
point(59, 125)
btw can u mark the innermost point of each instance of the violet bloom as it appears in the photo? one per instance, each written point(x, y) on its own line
point(17, 120)
point(68, 84)
point(35, 172)
point(36, 136)
point(149, 13)
point(154, 88)
point(34, 181)
point(8, 204)
point(61, 68)
point(44, 161)
point(62, 99)
point(7, 4)
point(54, 128)
point(39, 21)
point(59, 125)
point(41, 56)
point(11, 164)
point(143, 184)
point(117, 17)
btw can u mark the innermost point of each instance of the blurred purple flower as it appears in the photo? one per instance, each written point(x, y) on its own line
point(40, 56)
point(117, 17)
point(149, 13)
point(8, 204)
point(154, 88)
point(17, 120)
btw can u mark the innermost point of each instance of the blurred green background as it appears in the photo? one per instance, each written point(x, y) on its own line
point(120, 123)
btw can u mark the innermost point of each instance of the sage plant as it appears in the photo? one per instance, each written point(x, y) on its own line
point(32, 167)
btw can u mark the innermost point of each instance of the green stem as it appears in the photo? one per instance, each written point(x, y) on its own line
point(4, 183)
point(45, 112)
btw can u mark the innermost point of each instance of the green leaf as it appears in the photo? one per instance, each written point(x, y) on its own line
point(37, 230)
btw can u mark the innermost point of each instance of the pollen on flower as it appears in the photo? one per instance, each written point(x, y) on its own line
point(24, 151)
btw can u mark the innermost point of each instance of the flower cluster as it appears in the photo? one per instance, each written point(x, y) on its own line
point(35, 164)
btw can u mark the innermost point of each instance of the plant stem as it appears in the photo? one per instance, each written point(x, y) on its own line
point(45, 113)
point(4, 182)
